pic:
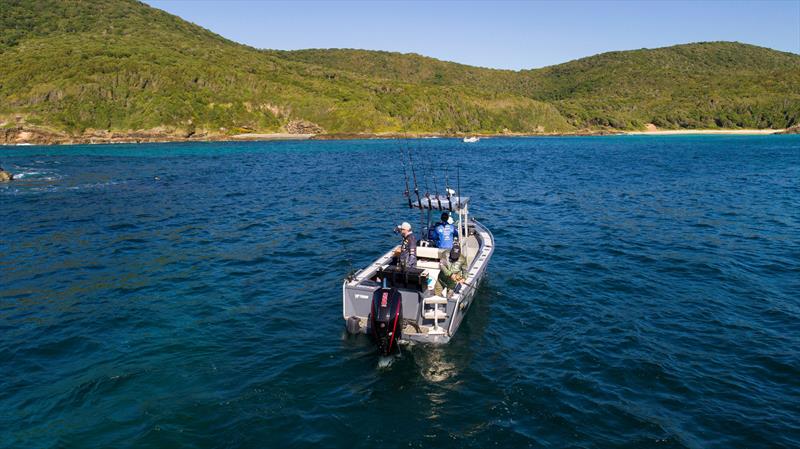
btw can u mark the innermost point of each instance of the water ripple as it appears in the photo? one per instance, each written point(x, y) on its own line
point(643, 293)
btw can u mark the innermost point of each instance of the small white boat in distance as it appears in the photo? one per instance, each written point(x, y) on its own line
point(472, 139)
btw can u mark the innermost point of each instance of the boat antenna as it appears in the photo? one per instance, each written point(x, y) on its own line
point(407, 193)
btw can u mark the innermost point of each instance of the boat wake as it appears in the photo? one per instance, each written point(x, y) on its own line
point(38, 183)
point(384, 362)
point(30, 174)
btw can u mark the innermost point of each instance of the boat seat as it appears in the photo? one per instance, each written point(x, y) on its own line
point(427, 252)
point(429, 264)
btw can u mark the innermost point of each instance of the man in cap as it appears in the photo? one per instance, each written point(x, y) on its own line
point(452, 268)
point(407, 252)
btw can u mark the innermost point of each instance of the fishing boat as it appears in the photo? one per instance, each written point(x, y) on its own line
point(472, 139)
point(396, 304)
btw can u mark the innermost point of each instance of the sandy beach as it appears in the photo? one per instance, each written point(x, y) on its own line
point(704, 131)
point(272, 136)
point(652, 130)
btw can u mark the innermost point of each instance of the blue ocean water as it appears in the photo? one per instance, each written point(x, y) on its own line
point(644, 292)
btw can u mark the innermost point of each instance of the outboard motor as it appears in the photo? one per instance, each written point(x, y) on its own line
point(386, 318)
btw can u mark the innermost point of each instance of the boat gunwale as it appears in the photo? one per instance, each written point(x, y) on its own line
point(482, 257)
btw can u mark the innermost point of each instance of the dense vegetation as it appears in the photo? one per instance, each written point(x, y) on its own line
point(703, 85)
point(120, 65)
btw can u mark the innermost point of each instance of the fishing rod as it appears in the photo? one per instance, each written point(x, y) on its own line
point(424, 228)
point(351, 272)
point(414, 174)
point(429, 166)
point(416, 185)
point(447, 189)
point(435, 186)
point(425, 171)
point(461, 224)
point(467, 284)
point(458, 184)
point(407, 193)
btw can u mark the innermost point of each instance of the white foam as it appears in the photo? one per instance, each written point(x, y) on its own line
point(385, 362)
point(36, 175)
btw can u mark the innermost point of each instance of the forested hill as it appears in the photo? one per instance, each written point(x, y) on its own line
point(702, 85)
point(89, 66)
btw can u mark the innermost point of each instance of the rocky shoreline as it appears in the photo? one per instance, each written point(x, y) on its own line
point(25, 135)
point(791, 130)
point(29, 135)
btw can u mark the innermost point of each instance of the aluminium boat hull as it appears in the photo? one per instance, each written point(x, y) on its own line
point(358, 291)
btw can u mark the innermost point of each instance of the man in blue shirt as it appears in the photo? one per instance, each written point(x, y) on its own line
point(444, 233)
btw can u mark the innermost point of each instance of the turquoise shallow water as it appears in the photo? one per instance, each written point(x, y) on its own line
point(645, 292)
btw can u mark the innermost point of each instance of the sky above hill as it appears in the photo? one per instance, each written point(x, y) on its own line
point(497, 34)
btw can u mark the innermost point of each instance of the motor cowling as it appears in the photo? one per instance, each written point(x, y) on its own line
point(386, 317)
